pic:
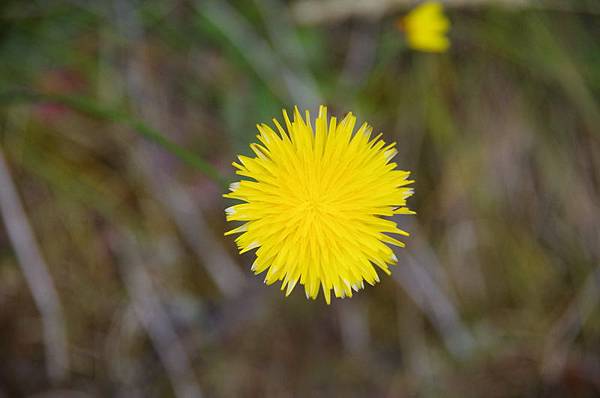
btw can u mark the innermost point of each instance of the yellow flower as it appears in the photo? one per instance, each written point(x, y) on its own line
point(316, 202)
point(426, 27)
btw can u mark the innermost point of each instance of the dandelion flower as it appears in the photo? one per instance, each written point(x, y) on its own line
point(316, 202)
point(426, 27)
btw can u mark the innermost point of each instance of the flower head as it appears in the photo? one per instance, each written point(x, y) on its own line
point(426, 27)
point(316, 202)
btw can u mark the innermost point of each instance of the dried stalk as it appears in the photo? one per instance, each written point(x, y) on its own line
point(314, 12)
point(153, 316)
point(36, 274)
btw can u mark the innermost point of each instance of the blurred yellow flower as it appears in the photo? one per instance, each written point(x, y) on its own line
point(426, 27)
point(315, 204)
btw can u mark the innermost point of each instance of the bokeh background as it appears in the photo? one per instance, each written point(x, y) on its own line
point(115, 277)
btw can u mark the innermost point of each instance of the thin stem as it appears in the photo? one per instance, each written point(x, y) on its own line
point(37, 275)
point(91, 108)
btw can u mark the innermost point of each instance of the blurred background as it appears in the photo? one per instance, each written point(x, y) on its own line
point(115, 277)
